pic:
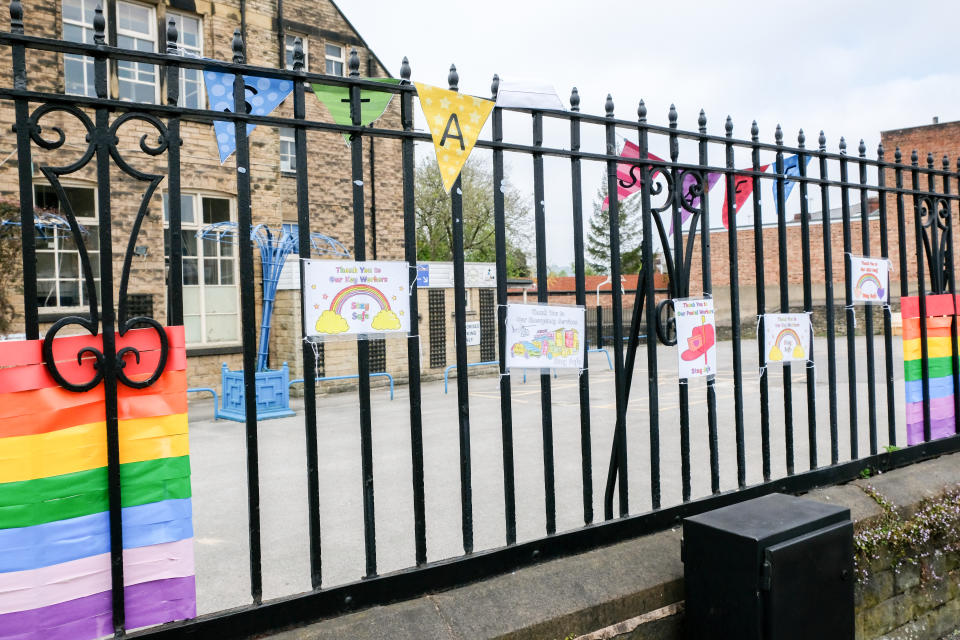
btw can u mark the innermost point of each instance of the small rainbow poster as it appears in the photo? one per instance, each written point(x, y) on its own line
point(940, 311)
point(352, 298)
point(787, 337)
point(871, 280)
point(55, 580)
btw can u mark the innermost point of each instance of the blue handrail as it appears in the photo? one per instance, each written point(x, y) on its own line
point(216, 401)
point(381, 374)
point(446, 372)
point(604, 352)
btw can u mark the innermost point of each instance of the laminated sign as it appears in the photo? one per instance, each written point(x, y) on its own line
point(871, 280)
point(544, 336)
point(786, 337)
point(341, 297)
point(55, 580)
point(696, 337)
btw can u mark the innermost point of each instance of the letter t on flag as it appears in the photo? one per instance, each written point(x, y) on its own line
point(455, 121)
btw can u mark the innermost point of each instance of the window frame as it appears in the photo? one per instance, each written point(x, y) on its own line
point(328, 58)
point(89, 88)
point(288, 41)
point(91, 224)
point(198, 51)
point(192, 227)
point(287, 135)
point(152, 25)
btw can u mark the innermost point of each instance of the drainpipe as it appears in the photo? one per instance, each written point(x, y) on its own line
point(282, 35)
point(373, 183)
point(243, 31)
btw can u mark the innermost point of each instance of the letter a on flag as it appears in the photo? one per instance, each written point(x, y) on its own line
point(455, 121)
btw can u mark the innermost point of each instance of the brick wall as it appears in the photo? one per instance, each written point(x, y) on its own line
point(273, 197)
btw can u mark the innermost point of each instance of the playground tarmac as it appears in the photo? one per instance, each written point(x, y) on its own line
point(219, 468)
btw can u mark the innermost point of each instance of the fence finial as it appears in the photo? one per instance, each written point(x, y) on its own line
point(574, 100)
point(608, 106)
point(914, 157)
point(354, 63)
point(453, 78)
point(862, 149)
point(822, 140)
point(880, 151)
point(897, 155)
point(778, 136)
point(754, 132)
point(405, 70)
point(930, 160)
point(672, 116)
point(702, 121)
point(495, 85)
point(642, 111)
point(16, 16)
point(237, 45)
point(728, 126)
point(298, 54)
point(172, 35)
point(801, 138)
point(99, 26)
point(946, 162)
point(843, 145)
point(958, 164)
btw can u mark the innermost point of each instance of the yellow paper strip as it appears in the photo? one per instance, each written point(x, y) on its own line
point(936, 348)
point(84, 447)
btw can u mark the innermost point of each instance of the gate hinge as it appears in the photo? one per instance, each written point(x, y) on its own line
point(766, 571)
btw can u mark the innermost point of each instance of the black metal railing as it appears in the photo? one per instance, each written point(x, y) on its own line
point(928, 223)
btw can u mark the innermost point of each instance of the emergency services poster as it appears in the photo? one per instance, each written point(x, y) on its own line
point(544, 336)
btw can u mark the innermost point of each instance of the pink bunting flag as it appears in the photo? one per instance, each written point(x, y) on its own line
point(629, 150)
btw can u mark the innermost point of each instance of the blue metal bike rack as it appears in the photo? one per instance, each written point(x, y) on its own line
point(380, 374)
point(446, 372)
point(216, 402)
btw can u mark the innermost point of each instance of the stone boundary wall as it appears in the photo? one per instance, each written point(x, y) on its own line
point(634, 589)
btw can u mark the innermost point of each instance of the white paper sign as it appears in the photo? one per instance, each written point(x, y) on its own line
point(871, 280)
point(347, 298)
point(786, 337)
point(696, 337)
point(473, 333)
point(543, 336)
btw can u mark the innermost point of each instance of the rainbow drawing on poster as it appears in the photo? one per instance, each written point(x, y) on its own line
point(940, 311)
point(55, 578)
point(786, 337)
point(871, 277)
point(355, 297)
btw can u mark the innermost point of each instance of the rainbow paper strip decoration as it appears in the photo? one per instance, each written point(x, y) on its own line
point(940, 311)
point(55, 580)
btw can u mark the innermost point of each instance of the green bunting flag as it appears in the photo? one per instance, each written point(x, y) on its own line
point(337, 101)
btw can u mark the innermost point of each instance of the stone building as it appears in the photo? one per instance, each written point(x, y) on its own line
point(211, 291)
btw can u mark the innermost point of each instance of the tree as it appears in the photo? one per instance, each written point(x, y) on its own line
point(434, 223)
point(631, 234)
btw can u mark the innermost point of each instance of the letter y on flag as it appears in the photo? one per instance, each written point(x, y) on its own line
point(455, 121)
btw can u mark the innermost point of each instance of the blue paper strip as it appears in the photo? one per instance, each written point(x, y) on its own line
point(939, 388)
point(51, 543)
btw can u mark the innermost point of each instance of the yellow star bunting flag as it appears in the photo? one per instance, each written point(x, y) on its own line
point(455, 121)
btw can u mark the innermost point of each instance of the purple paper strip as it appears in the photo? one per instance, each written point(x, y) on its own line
point(938, 429)
point(147, 604)
point(940, 408)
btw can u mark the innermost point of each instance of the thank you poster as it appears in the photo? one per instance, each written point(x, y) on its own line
point(696, 337)
point(544, 336)
point(350, 298)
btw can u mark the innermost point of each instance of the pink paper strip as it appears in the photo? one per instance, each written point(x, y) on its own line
point(46, 586)
point(940, 408)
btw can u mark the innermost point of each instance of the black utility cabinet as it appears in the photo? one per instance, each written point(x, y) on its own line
point(772, 568)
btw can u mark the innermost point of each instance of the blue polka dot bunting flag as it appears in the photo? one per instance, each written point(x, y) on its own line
point(263, 95)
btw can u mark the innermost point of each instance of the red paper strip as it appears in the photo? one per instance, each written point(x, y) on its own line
point(937, 305)
point(26, 352)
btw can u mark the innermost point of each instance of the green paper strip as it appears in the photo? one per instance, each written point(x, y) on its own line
point(72, 495)
point(939, 367)
point(337, 101)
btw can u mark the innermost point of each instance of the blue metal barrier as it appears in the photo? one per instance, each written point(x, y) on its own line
point(216, 402)
point(604, 352)
point(381, 374)
point(446, 372)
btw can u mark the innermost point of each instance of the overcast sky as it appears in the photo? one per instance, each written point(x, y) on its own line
point(850, 68)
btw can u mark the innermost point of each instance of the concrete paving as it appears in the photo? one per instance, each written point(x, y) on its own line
point(219, 475)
